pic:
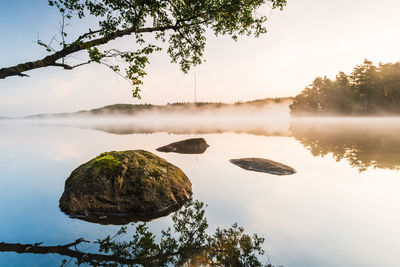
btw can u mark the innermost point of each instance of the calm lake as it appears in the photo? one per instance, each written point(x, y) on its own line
point(341, 208)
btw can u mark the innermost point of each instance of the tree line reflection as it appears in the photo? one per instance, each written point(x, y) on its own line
point(364, 143)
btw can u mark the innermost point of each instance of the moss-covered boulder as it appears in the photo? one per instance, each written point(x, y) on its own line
point(188, 146)
point(124, 186)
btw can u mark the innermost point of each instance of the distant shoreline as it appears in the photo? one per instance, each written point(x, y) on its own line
point(134, 109)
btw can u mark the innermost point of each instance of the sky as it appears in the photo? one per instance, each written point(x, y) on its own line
point(307, 39)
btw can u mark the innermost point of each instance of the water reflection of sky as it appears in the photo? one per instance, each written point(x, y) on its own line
point(327, 214)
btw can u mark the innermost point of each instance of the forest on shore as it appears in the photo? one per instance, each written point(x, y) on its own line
point(178, 107)
point(367, 90)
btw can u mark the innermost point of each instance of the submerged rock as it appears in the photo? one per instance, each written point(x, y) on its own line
point(263, 165)
point(125, 186)
point(188, 146)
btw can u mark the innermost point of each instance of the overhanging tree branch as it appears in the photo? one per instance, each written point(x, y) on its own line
point(73, 48)
point(118, 18)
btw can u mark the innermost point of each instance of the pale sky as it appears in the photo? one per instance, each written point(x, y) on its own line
point(307, 39)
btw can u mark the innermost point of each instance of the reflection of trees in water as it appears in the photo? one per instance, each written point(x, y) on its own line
point(247, 125)
point(363, 143)
point(194, 130)
point(187, 243)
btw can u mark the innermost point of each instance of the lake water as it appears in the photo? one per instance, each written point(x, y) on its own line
point(341, 208)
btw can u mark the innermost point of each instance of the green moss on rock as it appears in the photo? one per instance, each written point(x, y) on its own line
point(127, 185)
point(106, 162)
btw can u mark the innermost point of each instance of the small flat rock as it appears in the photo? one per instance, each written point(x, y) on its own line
point(263, 165)
point(188, 146)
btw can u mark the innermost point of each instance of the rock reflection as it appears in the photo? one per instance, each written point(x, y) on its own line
point(187, 243)
point(123, 219)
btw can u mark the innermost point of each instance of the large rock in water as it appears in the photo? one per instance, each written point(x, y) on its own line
point(188, 146)
point(263, 165)
point(121, 187)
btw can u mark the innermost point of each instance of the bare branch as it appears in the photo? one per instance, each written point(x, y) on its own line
point(65, 66)
point(81, 64)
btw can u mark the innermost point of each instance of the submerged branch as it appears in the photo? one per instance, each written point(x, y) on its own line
point(64, 250)
point(188, 243)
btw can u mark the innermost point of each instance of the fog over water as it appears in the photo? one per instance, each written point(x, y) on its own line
point(363, 141)
point(266, 119)
point(341, 208)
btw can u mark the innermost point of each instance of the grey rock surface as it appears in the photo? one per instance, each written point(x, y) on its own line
point(122, 186)
point(188, 146)
point(263, 165)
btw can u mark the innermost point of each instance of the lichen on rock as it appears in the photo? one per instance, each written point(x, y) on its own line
point(122, 186)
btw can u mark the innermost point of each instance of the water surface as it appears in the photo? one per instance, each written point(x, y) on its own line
point(341, 208)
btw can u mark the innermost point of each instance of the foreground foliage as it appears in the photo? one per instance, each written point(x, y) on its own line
point(181, 24)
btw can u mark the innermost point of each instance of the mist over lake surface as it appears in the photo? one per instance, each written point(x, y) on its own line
point(341, 208)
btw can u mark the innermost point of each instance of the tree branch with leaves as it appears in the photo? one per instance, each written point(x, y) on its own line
point(181, 24)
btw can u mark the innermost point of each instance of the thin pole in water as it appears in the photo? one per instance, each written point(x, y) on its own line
point(195, 94)
point(195, 87)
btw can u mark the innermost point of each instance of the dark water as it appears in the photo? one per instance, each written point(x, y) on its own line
point(341, 208)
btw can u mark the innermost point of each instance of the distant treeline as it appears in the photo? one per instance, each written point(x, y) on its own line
point(198, 106)
point(179, 107)
point(368, 90)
